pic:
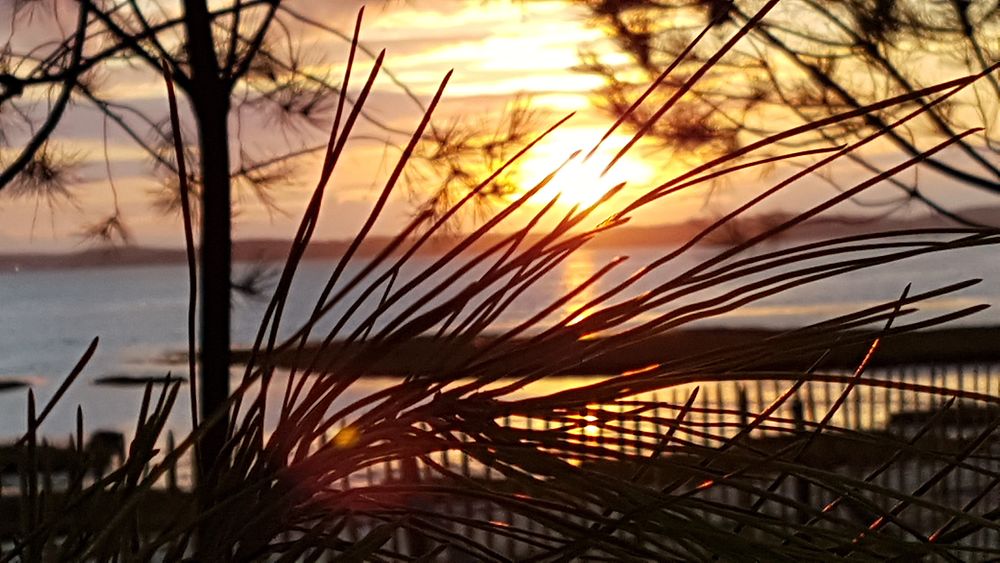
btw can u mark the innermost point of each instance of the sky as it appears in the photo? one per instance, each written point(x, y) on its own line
point(498, 49)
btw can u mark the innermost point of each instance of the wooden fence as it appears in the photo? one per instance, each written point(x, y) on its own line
point(722, 410)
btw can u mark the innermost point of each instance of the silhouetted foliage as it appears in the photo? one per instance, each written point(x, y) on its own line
point(238, 65)
point(805, 61)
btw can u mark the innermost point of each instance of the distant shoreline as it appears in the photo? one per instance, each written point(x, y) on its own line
point(273, 250)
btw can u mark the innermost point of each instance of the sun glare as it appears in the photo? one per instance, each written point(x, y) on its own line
point(580, 181)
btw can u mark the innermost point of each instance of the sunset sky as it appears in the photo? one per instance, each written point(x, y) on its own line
point(499, 49)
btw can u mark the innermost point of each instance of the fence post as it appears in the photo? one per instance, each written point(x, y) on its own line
point(745, 499)
point(801, 485)
point(705, 430)
point(879, 374)
point(46, 468)
point(656, 419)
point(759, 401)
point(744, 406)
point(172, 468)
point(959, 419)
point(621, 431)
point(466, 472)
point(416, 543)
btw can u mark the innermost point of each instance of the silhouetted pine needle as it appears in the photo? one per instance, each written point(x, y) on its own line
point(111, 230)
point(184, 193)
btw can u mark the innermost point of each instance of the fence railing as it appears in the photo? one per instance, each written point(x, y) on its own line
point(894, 408)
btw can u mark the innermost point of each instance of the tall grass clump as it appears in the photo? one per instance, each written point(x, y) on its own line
point(463, 461)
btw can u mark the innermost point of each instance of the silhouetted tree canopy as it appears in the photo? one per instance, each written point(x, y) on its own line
point(806, 60)
point(242, 68)
point(271, 80)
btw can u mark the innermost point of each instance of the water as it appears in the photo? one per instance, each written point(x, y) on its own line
point(48, 318)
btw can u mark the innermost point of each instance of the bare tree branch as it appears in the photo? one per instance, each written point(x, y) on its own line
point(40, 136)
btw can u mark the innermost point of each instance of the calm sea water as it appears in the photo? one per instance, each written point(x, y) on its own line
point(48, 318)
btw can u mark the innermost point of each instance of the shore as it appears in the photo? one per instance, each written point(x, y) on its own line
point(275, 251)
point(425, 356)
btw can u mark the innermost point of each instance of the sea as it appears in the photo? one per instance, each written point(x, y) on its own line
point(48, 318)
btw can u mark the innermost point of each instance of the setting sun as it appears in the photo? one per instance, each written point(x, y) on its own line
point(580, 181)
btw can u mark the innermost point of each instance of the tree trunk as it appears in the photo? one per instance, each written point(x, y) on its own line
point(216, 266)
point(209, 94)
